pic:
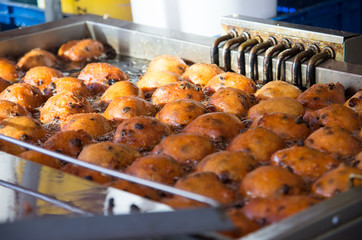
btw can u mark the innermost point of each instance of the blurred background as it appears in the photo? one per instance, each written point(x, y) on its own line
point(192, 16)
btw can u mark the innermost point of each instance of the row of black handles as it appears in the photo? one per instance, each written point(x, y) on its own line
point(284, 49)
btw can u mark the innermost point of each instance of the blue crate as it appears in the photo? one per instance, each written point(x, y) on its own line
point(14, 15)
point(334, 14)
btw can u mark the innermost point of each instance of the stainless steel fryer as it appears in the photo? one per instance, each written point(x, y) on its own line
point(327, 220)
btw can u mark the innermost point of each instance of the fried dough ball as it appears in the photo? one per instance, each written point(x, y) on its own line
point(23, 128)
point(243, 225)
point(68, 142)
point(87, 174)
point(355, 102)
point(120, 89)
point(277, 89)
point(127, 107)
point(41, 77)
point(335, 115)
point(278, 104)
point(207, 184)
point(307, 162)
point(185, 148)
point(230, 79)
point(81, 50)
point(11, 148)
point(41, 158)
point(334, 140)
point(26, 95)
point(231, 100)
point(99, 76)
point(275, 209)
point(271, 181)
point(259, 142)
point(220, 127)
point(180, 90)
point(93, 123)
point(201, 73)
point(179, 113)
point(143, 133)
point(37, 57)
point(69, 84)
point(335, 181)
point(288, 127)
point(158, 168)
point(167, 63)
point(4, 84)
point(8, 70)
point(137, 189)
point(109, 155)
point(11, 109)
point(60, 106)
point(322, 95)
point(228, 166)
point(152, 80)
point(357, 162)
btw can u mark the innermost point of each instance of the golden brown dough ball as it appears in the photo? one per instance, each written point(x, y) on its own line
point(179, 90)
point(69, 84)
point(230, 79)
point(68, 142)
point(355, 102)
point(179, 113)
point(259, 142)
point(321, 95)
point(41, 77)
point(120, 89)
point(271, 181)
point(167, 63)
point(334, 140)
point(99, 76)
point(42, 159)
point(278, 104)
point(93, 123)
point(277, 89)
point(228, 166)
point(201, 73)
point(158, 168)
point(60, 106)
point(137, 189)
point(127, 107)
point(231, 100)
point(37, 57)
point(220, 127)
point(335, 181)
point(307, 162)
point(243, 225)
point(11, 148)
point(81, 50)
point(185, 148)
point(152, 80)
point(271, 210)
point(26, 95)
point(334, 115)
point(8, 70)
point(288, 127)
point(11, 109)
point(143, 133)
point(87, 174)
point(207, 184)
point(109, 155)
point(357, 162)
point(23, 128)
point(4, 84)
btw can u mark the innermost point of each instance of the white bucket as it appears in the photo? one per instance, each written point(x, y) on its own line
point(200, 17)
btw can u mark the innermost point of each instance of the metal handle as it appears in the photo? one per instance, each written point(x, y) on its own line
point(326, 53)
point(227, 49)
point(241, 52)
point(215, 46)
point(280, 64)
